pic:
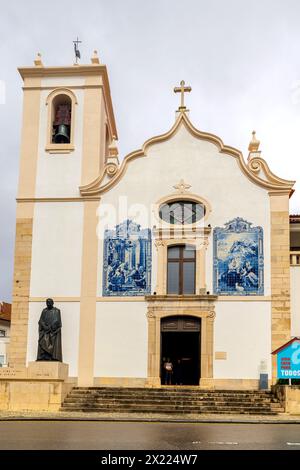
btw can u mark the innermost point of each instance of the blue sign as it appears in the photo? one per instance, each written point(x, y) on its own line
point(288, 361)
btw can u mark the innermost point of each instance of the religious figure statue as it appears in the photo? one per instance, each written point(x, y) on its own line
point(49, 344)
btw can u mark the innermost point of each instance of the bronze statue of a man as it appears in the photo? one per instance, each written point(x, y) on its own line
point(49, 345)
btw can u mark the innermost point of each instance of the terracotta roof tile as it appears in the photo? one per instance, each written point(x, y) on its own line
point(5, 311)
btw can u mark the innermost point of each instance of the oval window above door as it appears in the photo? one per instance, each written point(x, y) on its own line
point(182, 212)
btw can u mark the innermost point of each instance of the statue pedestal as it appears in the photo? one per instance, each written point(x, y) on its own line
point(42, 386)
point(48, 370)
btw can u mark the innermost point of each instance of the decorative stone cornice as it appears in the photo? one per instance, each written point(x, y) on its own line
point(182, 298)
point(258, 166)
point(202, 306)
point(265, 179)
point(164, 234)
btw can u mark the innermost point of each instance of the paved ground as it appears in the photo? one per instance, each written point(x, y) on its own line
point(281, 418)
point(86, 435)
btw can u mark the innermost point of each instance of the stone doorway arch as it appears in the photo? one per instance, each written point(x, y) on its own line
point(198, 306)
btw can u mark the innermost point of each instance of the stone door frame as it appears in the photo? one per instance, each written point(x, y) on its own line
point(201, 307)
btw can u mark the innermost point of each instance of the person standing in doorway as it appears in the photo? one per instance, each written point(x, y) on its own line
point(168, 368)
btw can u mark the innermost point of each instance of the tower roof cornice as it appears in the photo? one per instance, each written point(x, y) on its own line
point(93, 70)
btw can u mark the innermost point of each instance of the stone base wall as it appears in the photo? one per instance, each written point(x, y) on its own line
point(289, 397)
point(32, 396)
point(236, 384)
point(120, 382)
point(40, 386)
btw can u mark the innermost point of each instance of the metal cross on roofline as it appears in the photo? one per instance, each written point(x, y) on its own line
point(182, 89)
point(77, 51)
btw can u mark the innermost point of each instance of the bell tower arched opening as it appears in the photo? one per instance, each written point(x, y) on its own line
point(61, 119)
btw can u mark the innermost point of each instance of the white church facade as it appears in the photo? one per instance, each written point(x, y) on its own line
point(179, 251)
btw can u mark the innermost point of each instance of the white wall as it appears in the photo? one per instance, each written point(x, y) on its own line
point(70, 315)
point(59, 175)
point(295, 300)
point(56, 250)
point(121, 340)
point(243, 331)
point(215, 177)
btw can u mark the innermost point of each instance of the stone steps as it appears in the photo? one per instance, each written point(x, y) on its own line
point(168, 409)
point(161, 398)
point(177, 400)
point(208, 410)
point(171, 400)
point(198, 396)
point(169, 389)
point(169, 392)
point(99, 403)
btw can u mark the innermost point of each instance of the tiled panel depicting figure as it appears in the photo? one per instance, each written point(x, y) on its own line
point(127, 260)
point(238, 259)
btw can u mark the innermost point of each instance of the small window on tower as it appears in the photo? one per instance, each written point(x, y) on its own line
point(61, 122)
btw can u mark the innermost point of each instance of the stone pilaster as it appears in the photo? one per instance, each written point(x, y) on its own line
point(280, 272)
point(88, 296)
point(21, 290)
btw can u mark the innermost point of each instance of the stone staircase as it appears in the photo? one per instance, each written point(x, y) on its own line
point(171, 401)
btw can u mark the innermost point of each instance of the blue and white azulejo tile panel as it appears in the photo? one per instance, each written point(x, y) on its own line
point(238, 259)
point(127, 260)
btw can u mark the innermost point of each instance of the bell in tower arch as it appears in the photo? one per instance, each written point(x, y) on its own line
point(62, 135)
point(62, 123)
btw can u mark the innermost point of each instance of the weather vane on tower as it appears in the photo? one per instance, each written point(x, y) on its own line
point(182, 89)
point(77, 51)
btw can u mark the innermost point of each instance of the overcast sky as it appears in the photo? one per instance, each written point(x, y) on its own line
point(242, 59)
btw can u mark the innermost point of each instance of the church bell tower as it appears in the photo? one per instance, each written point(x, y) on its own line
point(68, 126)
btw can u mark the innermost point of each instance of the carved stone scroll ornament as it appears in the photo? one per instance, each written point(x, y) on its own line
point(111, 169)
point(159, 243)
point(112, 160)
point(212, 315)
point(150, 313)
